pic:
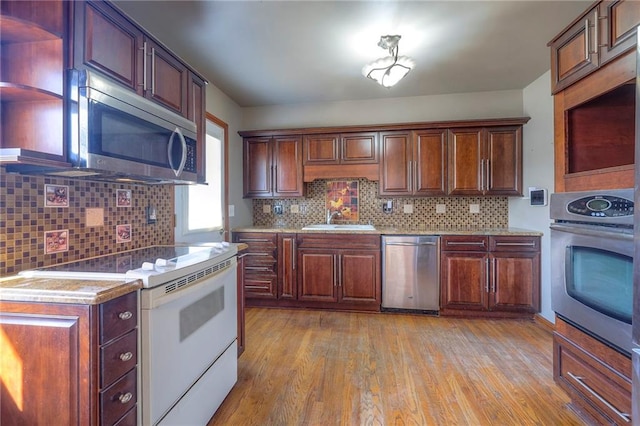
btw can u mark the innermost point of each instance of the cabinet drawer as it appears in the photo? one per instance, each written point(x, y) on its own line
point(464, 243)
point(603, 388)
point(129, 419)
point(118, 316)
point(337, 241)
point(514, 243)
point(119, 398)
point(118, 357)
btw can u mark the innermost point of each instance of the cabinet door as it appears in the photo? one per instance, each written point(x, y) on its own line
point(430, 153)
point(464, 280)
point(257, 169)
point(109, 43)
point(321, 149)
point(574, 53)
point(260, 264)
point(287, 163)
point(396, 165)
point(619, 20)
point(196, 108)
point(359, 148)
point(167, 79)
point(359, 276)
point(515, 282)
point(504, 161)
point(317, 275)
point(287, 288)
point(50, 384)
point(466, 161)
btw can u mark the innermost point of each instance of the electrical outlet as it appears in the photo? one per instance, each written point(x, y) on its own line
point(266, 208)
point(408, 208)
point(278, 209)
point(94, 217)
point(294, 208)
point(474, 208)
point(441, 208)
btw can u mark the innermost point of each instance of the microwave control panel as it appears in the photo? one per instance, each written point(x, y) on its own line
point(190, 165)
point(601, 206)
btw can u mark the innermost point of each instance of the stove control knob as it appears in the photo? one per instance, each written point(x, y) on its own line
point(225, 244)
point(147, 266)
point(161, 262)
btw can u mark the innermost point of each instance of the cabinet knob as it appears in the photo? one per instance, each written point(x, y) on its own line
point(125, 315)
point(126, 356)
point(125, 397)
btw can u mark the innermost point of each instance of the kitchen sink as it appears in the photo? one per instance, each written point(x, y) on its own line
point(336, 227)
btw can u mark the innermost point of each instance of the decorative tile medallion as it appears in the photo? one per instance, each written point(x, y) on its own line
point(342, 200)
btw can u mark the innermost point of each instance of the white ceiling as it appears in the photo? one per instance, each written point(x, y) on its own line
point(286, 52)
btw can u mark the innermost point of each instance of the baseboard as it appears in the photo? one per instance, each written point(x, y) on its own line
point(544, 323)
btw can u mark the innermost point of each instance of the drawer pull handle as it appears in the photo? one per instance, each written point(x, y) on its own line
point(125, 397)
point(126, 356)
point(125, 315)
point(465, 243)
point(531, 244)
point(624, 416)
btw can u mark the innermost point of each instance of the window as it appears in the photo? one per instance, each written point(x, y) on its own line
point(199, 208)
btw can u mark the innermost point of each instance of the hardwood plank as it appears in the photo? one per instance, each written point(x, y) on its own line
point(343, 368)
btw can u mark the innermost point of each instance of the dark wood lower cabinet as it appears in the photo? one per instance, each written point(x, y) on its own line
point(490, 275)
point(595, 376)
point(312, 272)
point(69, 364)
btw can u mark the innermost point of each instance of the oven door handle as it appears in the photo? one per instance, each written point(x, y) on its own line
point(595, 231)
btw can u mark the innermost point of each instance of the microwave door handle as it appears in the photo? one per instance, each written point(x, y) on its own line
point(183, 158)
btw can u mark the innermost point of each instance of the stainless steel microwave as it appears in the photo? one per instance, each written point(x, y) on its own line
point(116, 134)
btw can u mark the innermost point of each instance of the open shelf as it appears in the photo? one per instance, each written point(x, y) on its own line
point(11, 92)
point(15, 30)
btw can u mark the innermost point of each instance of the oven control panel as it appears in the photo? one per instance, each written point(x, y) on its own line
point(601, 206)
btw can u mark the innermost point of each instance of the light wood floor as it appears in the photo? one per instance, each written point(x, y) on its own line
point(337, 368)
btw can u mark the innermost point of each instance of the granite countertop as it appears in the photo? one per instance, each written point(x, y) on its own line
point(63, 290)
point(399, 231)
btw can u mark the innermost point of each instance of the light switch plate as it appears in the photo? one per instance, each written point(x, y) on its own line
point(408, 208)
point(441, 208)
point(474, 208)
point(94, 217)
point(266, 208)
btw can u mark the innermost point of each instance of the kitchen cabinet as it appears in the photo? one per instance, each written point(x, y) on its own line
point(340, 278)
point(593, 70)
point(107, 41)
point(196, 112)
point(485, 161)
point(287, 279)
point(595, 376)
point(241, 304)
point(260, 265)
point(84, 370)
point(490, 274)
point(414, 163)
point(601, 34)
point(33, 51)
point(340, 155)
point(273, 167)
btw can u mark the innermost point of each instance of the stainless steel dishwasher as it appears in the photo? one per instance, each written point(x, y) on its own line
point(411, 272)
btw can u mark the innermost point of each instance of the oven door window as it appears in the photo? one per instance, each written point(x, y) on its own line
point(602, 280)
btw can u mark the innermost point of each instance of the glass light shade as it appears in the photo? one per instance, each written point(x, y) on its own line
point(388, 71)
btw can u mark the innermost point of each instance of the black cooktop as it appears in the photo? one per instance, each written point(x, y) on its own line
point(126, 260)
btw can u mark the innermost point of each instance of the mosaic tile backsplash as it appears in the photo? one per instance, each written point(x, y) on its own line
point(24, 220)
point(494, 211)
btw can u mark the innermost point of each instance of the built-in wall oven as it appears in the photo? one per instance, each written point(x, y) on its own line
point(592, 263)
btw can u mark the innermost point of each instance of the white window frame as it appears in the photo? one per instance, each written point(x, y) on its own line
point(182, 232)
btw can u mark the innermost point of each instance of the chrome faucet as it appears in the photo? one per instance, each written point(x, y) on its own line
point(331, 215)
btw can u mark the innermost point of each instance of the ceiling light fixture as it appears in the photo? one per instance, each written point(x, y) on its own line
point(390, 70)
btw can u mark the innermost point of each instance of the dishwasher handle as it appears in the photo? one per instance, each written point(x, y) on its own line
point(427, 243)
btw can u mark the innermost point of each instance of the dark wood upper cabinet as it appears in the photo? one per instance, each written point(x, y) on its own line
point(273, 167)
point(601, 34)
point(485, 161)
point(346, 148)
point(414, 163)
